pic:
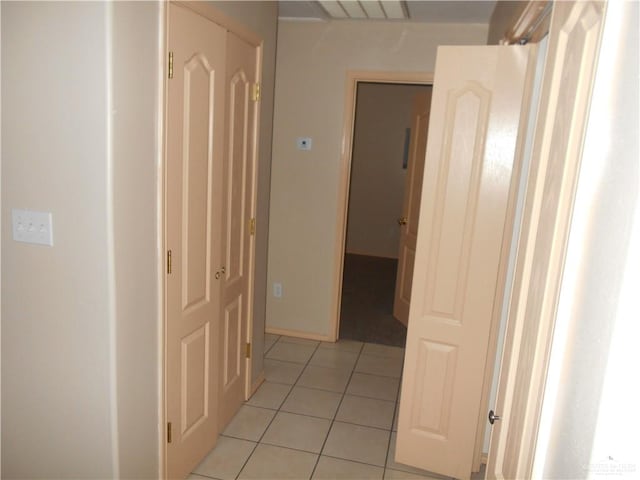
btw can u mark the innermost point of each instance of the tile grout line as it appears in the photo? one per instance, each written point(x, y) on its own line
point(244, 464)
point(333, 420)
point(259, 442)
point(395, 412)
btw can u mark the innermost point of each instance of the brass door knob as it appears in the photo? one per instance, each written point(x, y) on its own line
point(402, 221)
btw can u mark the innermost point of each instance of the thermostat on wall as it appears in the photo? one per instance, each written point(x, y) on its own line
point(304, 143)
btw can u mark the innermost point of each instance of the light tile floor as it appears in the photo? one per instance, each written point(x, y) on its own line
point(325, 411)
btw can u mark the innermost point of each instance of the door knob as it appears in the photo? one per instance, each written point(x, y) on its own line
point(402, 221)
point(493, 417)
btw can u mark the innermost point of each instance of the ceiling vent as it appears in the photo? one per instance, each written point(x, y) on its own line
point(366, 9)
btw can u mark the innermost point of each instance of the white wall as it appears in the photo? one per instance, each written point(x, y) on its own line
point(376, 193)
point(80, 363)
point(136, 180)
point(262, 18)
point(590, 417)
point(312, 64)
point(56, 307)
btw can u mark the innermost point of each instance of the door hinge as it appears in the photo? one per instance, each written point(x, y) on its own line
point(252, 226)
point(168, 432)
point(255, 92)
point(170, 64)
point(248, 352)
point(169, 261)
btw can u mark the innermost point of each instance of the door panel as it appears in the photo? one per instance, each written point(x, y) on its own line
point(239, 207)
point(574, 39)
point(199, 84)
point(193, 181)
point(478, 95)
point(411, 205)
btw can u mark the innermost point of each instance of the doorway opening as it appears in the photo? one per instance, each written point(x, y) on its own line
point(381, 138)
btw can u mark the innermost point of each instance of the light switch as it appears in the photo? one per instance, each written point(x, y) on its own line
point(32, 227)
point(304, 143)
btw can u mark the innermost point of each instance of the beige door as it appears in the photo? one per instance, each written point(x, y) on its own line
point(408, 222)
point(194, 140)
point(238, 204)
point(574, 39)
point(478, 96)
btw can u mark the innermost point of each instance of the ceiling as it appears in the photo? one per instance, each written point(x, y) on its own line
point(454, 11)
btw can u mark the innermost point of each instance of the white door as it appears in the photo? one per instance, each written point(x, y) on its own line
point(408, 222)
point(194, 151)
point(574, 39)
point(478, 96)
point(238, 209)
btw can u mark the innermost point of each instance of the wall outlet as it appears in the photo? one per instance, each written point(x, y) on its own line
point(277, 290)
point(32, 227)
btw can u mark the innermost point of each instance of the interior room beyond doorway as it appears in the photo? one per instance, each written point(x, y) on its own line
point(379, 164)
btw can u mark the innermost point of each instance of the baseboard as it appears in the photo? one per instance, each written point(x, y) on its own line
point(298, 334)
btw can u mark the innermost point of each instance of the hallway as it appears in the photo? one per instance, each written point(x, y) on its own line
point(325, 411)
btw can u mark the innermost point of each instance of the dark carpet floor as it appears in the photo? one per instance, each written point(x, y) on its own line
point(366, 315)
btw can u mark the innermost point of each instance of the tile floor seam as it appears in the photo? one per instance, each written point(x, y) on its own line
point(259, 442)
point(295, 383)
point(244, 464)
point(333, 420)
point(271, 346)
point(204, 476)
point(351, 460)
point(362, 425)
point(310, 416)
point(369, 398)
point(290, 448)
point(386, 458)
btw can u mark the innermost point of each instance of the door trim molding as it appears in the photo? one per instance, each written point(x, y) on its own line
point(353, 78)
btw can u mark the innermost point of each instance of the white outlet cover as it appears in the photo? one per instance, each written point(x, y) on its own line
point(304, 143)
point(30, 226)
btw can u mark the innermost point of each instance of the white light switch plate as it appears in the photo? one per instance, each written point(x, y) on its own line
point(32, 227)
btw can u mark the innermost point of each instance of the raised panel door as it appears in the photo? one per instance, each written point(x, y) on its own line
point(411, 205)
point(238, 205)
point(478, 96)
point(194, 141)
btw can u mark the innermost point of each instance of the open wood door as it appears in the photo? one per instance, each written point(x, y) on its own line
point(574, 39)
point(408, 222)
point(479, 95)
point(193, 179)
point(238, 223)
